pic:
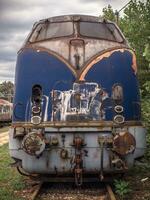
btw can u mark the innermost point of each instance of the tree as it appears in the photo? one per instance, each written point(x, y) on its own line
point(146, 53)
point(135, 25)
point(146, 91)
point(109, 14)
point(7, 90)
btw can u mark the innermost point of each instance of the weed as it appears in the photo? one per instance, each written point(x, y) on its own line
point(122, 188)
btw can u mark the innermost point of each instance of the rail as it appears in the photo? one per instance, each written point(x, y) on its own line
point(107, 195)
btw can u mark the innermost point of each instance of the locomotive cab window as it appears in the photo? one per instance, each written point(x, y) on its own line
point(106, 31)
point(51, 30)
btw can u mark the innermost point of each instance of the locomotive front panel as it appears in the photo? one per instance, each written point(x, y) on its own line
point(76, 105)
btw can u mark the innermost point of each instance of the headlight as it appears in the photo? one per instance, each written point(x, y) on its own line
point(119, 119)
point(118, 109)
point(36, 109)
point(33, 144)
point(36, 120)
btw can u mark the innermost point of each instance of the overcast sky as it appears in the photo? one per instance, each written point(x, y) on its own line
point(18, 16)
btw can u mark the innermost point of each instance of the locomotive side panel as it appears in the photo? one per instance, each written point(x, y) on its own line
point(117, 70)
point(38, 68)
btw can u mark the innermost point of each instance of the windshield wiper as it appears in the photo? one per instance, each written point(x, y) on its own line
point(38, 32)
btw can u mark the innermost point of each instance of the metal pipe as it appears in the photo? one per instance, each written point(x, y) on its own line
point(118, 11)
point(102, 159)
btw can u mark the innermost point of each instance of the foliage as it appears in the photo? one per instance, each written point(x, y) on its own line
point(109, 14)
point(135, 25)
point(146, 102)
point(7, 90)
point(146, 53)
point(146, 119)
point(122, 188)
point(146, 94)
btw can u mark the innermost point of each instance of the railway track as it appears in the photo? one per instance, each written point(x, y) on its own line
point(4, 138)
point(91, 191)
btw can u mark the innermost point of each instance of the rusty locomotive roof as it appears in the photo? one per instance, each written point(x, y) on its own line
point(74, 18)
point(65, 18)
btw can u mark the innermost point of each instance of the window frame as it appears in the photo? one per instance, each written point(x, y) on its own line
point(121, 35)
point(51, 38)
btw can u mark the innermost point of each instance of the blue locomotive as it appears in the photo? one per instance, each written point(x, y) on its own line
point(76, 106)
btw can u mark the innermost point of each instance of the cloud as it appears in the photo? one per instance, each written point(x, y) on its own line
point(7, 71)
point(18, 16)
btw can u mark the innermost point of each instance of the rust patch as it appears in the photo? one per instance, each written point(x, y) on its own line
point(124, 143)
point(134, 63)
point(78, 142)
point(98, 124)
point(64, 154)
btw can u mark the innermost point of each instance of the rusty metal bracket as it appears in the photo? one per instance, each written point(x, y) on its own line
point(78, 143)
point(78, 177)
point(78, 169)
point(101, 158)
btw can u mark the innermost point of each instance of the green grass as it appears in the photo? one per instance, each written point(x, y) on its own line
point(10, 180)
